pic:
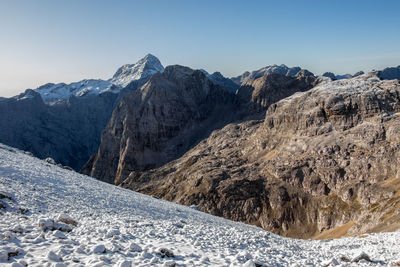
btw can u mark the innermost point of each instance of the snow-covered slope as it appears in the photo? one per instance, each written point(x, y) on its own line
point(40, 204)
point(126, 74)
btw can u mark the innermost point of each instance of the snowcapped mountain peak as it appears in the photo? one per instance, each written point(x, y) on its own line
point(144, 68)
point(141, 70)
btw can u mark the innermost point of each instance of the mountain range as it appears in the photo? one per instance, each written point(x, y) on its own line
point(281, 148)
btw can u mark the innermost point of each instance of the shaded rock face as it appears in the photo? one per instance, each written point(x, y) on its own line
point(257, 95)
point(65, 121)
point(321, 159)
point(159, 122)
point(227, 83)
point(390, 73)
point(68, 132)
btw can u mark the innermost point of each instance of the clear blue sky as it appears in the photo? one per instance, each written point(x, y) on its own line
point(64, 41)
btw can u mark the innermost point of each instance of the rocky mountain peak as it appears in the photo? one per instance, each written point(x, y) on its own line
point(144, 68)
point(159, 122)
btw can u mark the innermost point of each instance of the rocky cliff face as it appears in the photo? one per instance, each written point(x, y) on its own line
point(159, 122)
point(258, 94)
point(65, 121)
point(68, 132)
point(322, 161)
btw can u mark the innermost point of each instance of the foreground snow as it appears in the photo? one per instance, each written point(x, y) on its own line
point(41, 202)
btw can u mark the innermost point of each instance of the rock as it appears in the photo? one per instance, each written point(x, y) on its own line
point(260, 93)
point(67, 168)
point(34, 119)
point(59, 234)
point(51, 255)
point(124, 263)
point(5, 196)
point(249, 263)
point(67, 220)
point(134, 247)
point(390, 73)
point(51, 225)
point(362, 256)
point(99, 249)
point(160, 122)
point(332, 262)
point(164, 252)
point(313, 164)
point(329, 75)
point(50, 161)
point(169, 264)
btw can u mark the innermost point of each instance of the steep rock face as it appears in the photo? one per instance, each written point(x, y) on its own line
point(159, 122)
point(68, 132)
point(260, 93)
point(219, 79)
point(65, 121)
point(321, 159)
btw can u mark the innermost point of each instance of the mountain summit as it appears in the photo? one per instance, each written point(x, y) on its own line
point(144, 68)
point(139, 72)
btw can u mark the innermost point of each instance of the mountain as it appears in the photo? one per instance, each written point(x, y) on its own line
point(322, 163)
point(390, 73)
point(258, 94)
point(219, 79)
point(65, 122)
point(52, 216)
point(274, 69)
point(159, 122)
point(340, 77)
point(139, 72)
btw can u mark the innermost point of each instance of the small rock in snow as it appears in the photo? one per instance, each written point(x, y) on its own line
point(125, 264)
point(169, 264)
point(17, 264)
point(332, 262)
point(164, 252)
point(362, 256)
point(50, 160)
point(46, 224)
point(99, 249)
point(249, 263)
point(59, 234)
point(67, 220)
point(135, 247)
point(53, 256)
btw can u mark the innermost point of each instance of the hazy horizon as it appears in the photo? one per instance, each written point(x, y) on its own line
point(66, 41)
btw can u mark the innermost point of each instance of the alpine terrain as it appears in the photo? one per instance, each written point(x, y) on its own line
point(55, 217)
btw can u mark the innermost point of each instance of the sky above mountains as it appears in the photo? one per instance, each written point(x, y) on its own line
point(64, 41)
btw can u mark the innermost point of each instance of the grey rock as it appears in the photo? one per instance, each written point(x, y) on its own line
point(159, 122)
point(390, 73)
point(320, 159)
